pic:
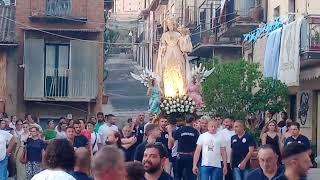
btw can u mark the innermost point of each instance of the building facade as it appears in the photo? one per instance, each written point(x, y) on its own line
point(304, 97)
point(60, 57)
point(8, 59)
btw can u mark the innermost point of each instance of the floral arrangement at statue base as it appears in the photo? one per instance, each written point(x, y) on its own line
point(178, 105)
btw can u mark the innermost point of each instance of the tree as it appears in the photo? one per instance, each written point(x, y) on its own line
point(272, 96)
point(229, 90)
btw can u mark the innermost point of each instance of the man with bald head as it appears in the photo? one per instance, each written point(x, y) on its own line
point(269, 167)
point(82, 166)
point(108, 163)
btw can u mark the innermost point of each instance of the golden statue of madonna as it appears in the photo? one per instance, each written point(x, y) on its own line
point(172, 64)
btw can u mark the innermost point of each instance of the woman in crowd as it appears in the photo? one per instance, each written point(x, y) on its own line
point(62, 130)
point(21, 136)
point(59, 158)
point(95, 138)
point(84, 131)
point(2, 124)
point(272, 137)
point(35, 147)
point(13, 122)
point(114, 139)
point(49, 133)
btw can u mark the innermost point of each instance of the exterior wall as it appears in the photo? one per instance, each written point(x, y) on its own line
point(95, 20)
point(301, 7)
point(128, 9)
point(11, 81)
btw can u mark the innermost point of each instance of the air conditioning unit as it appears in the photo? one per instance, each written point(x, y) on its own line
point(164, 2)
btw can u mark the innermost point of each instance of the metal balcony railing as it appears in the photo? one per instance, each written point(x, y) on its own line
point(59, 83)
point(190, 15)
point(310, 34)
point(58, 8)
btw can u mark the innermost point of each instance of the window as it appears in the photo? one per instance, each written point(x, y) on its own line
point(276, 12)
point(58, 7)
point(56, 70)
point(292, 10)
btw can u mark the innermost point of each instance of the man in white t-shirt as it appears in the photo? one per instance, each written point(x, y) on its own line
point(5, 139)
point(213, 148)
point(227, 133)
point(107, 128)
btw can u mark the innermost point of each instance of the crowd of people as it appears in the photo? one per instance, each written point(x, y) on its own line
point(188, 148)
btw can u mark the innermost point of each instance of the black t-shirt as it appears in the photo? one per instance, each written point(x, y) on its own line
point(138, 133)
point(300, 139)
point(164, 140)
point(129, 153)
point(283, 177)
point(165, 176)
point(281, 123)
point(80, 141)
point(138, 154)
point(80, 175)
point(187, 137)
point(240, 148)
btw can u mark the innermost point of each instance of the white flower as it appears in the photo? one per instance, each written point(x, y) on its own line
point(186, 102)
point(174, 101)
point(161, 105)
point(193, 103)
point(178, 109)
point(184, 97)
point(174, 110)
point(182, 110)
point(187, 106)
point(170, 102)
point(165, 101)
point(174, 106)
point(166, 108)
point(168, 112)
point(189, 99)
point(190, 103)
point(171, 110)
point(182, 106)
point(178, 105)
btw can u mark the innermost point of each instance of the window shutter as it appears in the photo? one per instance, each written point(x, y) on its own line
point(83, 69)
point(34, 68)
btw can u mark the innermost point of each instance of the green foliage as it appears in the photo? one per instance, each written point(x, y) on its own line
point(229, 90)
point(272, 96)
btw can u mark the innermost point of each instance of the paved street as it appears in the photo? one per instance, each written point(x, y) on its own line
point(126, 95)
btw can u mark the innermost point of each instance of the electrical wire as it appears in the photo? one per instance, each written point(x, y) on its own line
point(103, 23)
point(84, 40)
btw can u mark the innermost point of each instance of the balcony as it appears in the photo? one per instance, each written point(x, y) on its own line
point(58, 11)
point(310, 41)
point(205, 43)
point(235, 18)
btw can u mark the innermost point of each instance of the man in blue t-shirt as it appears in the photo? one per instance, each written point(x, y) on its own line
point(187, 137)
point(242, 146)
point(269, 166)
point(294, 129)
